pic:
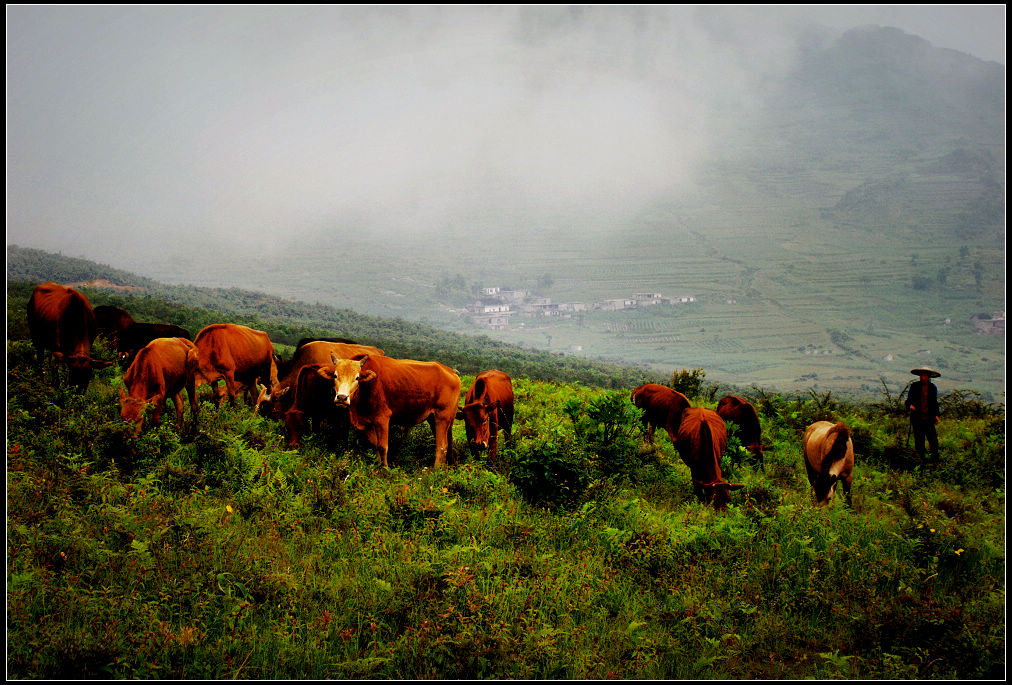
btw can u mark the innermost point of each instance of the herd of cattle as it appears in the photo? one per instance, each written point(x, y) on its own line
point(345, 383)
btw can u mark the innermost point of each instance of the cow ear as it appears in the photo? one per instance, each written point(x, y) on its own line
point(122, 394)
point(368, 376)
point(57, 355)
point(325, 372)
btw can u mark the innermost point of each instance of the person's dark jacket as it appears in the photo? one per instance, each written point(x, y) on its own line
point(915, 398)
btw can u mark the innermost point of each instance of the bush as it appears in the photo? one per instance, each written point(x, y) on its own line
point(549, 470)
point(605, 428)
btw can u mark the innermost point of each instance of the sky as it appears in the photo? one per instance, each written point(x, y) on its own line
point(137, 132)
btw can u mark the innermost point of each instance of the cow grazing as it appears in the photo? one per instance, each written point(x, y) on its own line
point(161, 369)
point(140, 333)
point(829, 458)
point(740, 412)
point(701, 439)
point(239, 355)
point(111, 321)
point(62, 321)
point(662, 408)
point(276, 399)
point(488, 406)
point(379, 391)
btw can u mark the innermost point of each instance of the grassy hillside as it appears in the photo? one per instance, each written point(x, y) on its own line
point(214, 552)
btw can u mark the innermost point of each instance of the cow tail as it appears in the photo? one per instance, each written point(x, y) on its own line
point(706, 443)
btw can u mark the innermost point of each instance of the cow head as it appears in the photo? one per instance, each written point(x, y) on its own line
point(718, 492)
point(476, 421)
point(79, 367)
point(132, 410)
point(347, 374)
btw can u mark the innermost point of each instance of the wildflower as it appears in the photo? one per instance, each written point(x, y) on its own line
point(228, 508)
point(960, 551)
point(63, 555)
point(931, 529)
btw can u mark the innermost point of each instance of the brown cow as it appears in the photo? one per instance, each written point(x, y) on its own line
point(662, 408)
point(163, 368)
point(61, 320)
point(277, 399)
point(237, 354)
point(491, 397)
point(381, 390)
point(701, 439)
point(741, 413)
point(829, 457)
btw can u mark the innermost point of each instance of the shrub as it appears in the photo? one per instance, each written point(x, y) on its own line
point(549, 470)
point(605, 428)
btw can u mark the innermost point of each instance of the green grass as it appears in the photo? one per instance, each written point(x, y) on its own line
point(216, 553)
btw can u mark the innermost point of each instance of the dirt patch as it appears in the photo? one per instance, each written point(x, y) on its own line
point(103, 283)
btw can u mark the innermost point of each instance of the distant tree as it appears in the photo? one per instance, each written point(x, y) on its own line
point(964, 252)
point(921, 282)
point(943, 275)
point(978, 275)
point(545, 281)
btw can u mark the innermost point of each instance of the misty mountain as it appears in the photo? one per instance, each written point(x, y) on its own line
point(842, 193)
point(877, 130)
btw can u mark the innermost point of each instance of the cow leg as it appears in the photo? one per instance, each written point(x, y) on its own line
point(232, 387)
point(507, 425)
point(378, 436)
point(156, 417)
point(177, 400)
point(191, 394)
point(441, 429)
point(648, 429)
point(294, 423)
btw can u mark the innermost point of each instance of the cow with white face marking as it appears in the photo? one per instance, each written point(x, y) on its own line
point(829, 459)
point(378, 391)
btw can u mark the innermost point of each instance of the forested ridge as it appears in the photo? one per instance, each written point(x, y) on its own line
point(287, 321)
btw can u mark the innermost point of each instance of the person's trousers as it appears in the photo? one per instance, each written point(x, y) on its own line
point(924, 430)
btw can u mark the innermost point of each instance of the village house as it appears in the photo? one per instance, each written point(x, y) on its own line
point(991, 325)
point(495, 306)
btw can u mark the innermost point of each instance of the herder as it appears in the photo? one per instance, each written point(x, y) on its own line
point(922, 401)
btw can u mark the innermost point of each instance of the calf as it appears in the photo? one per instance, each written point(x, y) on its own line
point(829, 458)
point(312, 399)
point(163, 368)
